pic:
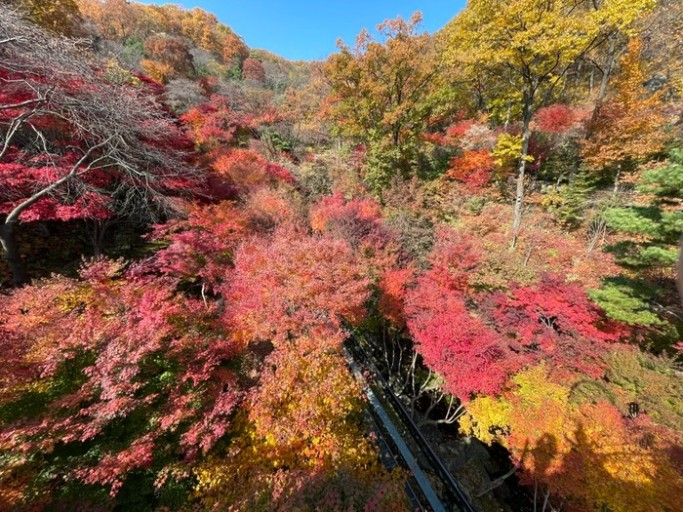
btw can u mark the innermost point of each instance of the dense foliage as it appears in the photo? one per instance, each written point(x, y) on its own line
point(192, 231)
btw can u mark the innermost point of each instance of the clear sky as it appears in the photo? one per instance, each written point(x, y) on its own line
point(309, 29)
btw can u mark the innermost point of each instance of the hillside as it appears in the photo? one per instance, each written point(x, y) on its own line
point(197, 235)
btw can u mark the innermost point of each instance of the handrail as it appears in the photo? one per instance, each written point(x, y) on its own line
point(442, 471)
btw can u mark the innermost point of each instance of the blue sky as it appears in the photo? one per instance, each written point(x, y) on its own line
point(309, 29)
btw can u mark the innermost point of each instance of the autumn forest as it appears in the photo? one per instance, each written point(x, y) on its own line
point(220, 268)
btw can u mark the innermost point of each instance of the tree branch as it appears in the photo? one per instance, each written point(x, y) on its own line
point(19, 209)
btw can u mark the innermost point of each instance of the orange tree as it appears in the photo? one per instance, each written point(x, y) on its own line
point(380, 94)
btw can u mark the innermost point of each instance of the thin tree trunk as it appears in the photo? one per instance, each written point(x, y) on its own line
point(680, 269)
point(612, 56)
point(8, 240)
point(521, 172)
point(98, 230)
point(617, 180)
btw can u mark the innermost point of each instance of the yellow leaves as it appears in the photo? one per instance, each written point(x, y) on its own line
point(520, 32)
point(485, 417)
point(508, 151)
point(74, 298)
point(255, 473)
point(587, 452)
point(59, 16)
point(299, 435)
point(159, 71)
point(114, 73)
point(622, 14)
point(535, 388)
point(509, 46)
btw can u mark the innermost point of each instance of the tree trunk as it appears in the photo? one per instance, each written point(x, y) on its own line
point(521, 172)
point(680, 269)
point(8, 240)
point(617, 180)
point(97, 230)
point(612, 56)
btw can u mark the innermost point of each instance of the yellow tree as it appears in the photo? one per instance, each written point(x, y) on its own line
point(61, 16)
point(304, 445)
point(529, 46)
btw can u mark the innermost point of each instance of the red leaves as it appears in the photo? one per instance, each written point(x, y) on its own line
point(267, 208)
point(220, 123)
point(215, 124)
point(150, 352)
point(335, 208)
point(556, 118)
point(475, 342)
point(453, 259)
point(23, 175)
point(469, 355)
point(290, 283)
point(113, 467)
point(203, 245)
point(252, 69)
point(459, 129)
point(559, 307)
point(64, 157)
point(393, 286)
point(356, 221)
point(556, 321)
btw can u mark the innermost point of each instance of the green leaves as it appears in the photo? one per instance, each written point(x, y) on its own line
point(623, 303)
point(655, 228)
point(666, 182)
point(635, 220)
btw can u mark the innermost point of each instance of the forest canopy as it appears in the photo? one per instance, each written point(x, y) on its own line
point(198, 236)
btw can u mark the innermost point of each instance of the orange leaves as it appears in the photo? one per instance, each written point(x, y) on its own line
point(244, 167)
point(305, 446)
point(393, 286)
point(215, 124)
point(158, 71)
point(630, 125)
point(62, 17)
point(171, 57)
point(267, 208)
point(248, 170)
point(121, 20)
point(473, 168)
point(304, 402)
point(587, 454)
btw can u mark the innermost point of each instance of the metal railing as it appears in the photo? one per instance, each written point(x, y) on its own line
point(382, 396)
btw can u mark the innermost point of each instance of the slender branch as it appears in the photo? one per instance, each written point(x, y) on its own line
point(23, 103)
point(498, 482)
point(11, 39)
point(14, 214)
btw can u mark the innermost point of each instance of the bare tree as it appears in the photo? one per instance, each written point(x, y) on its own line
point(118, 131)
